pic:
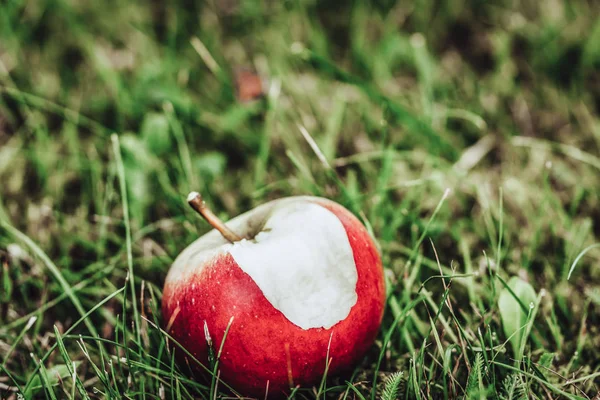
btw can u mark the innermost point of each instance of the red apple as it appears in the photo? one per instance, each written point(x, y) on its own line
point(306, 281)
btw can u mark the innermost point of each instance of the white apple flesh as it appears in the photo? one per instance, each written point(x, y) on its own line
point(305, 282)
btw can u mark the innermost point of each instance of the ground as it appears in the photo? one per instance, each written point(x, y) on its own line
point(464, 134)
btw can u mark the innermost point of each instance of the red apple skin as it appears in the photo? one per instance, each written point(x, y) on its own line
point(262, 345)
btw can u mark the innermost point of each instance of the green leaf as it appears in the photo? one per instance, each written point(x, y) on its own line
point(393, 386)
point(155, 133)
point(546, 360)
point(135, 152)
point(137, 182)
point(51, 376)
point(475, 387)
point(514, 301)
point(138, 163)
point(211, 164)
point(514, 388)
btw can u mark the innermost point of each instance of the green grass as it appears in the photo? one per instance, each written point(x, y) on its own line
point(464, 134)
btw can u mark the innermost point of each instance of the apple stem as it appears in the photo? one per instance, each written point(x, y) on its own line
point(197, 203)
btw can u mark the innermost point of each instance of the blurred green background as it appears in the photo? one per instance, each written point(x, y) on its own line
point(381, 106)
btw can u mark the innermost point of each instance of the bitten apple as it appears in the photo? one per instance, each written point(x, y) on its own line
point(301, 278)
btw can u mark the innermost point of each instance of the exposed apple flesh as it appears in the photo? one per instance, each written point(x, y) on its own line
point(302, 262)
point(306, 282)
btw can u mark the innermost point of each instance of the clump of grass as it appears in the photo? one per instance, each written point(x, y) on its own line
point(465, 136)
